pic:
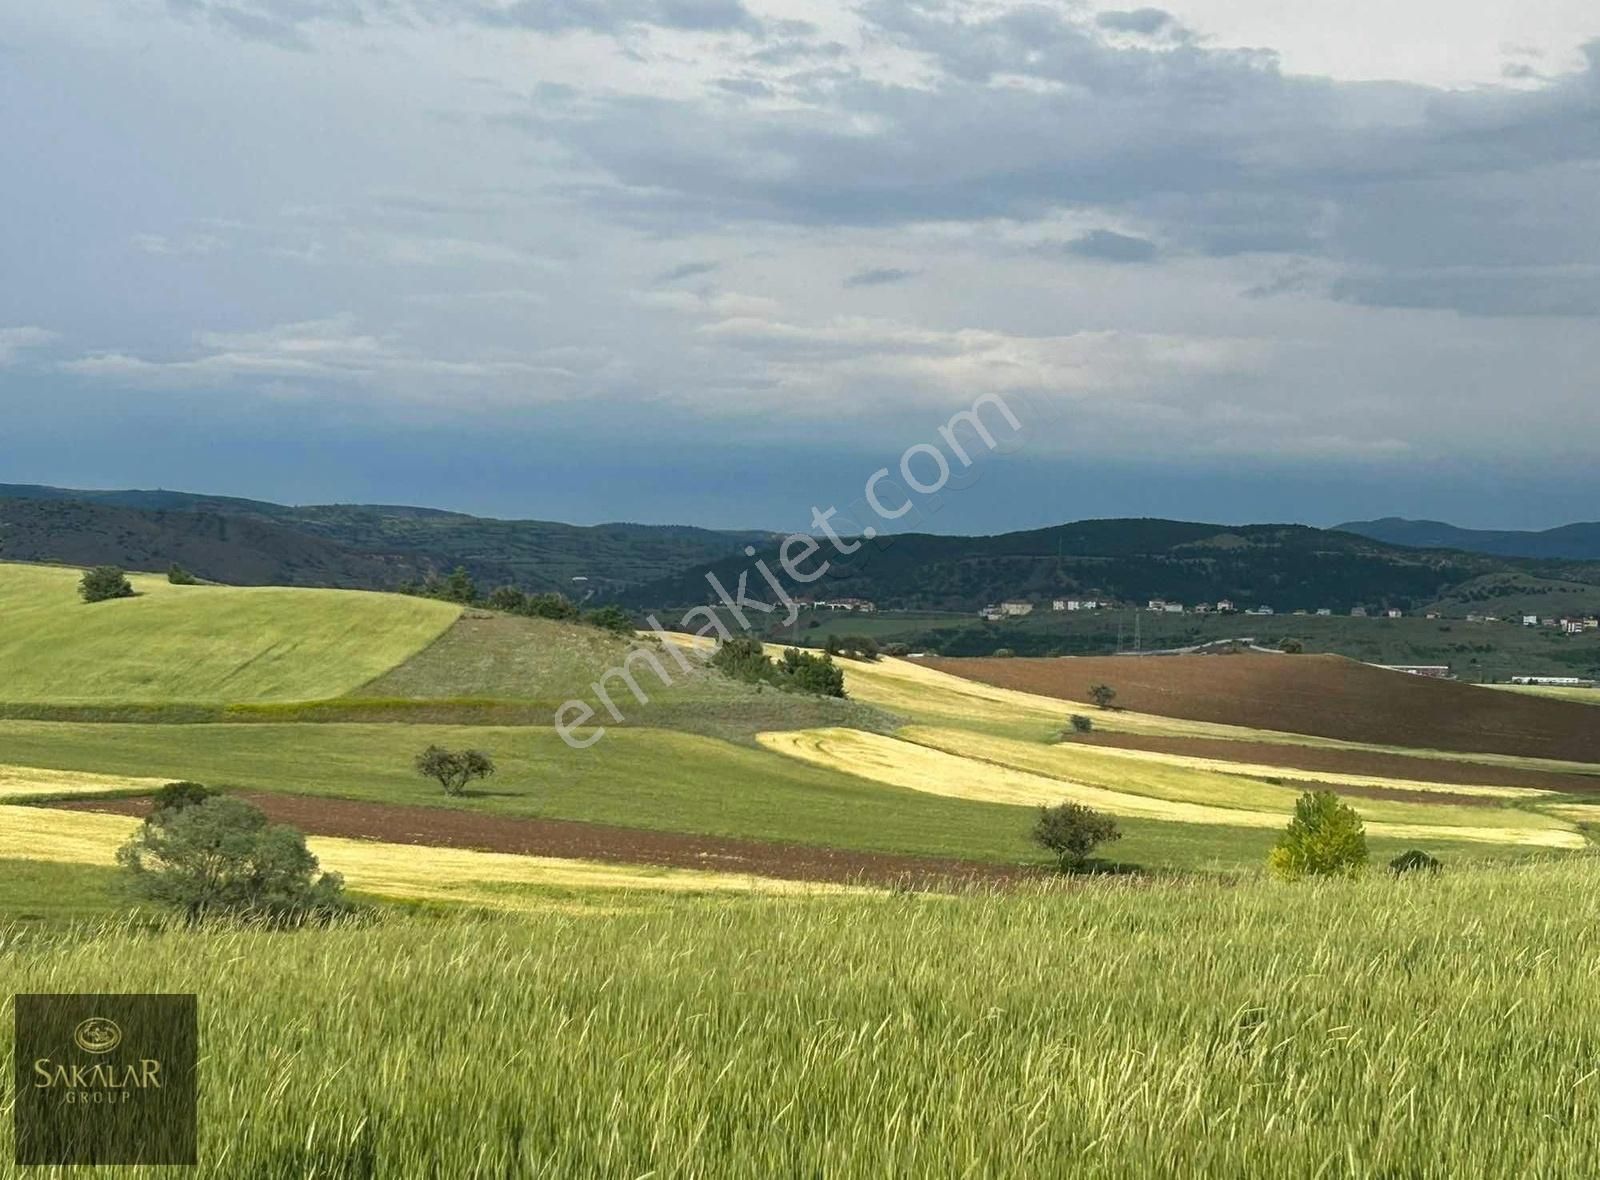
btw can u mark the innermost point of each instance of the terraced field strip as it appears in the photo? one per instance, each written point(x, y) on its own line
point(1170, 778)
point(919, 768)
point(404, 871)
point(1555, 692)
point(23, 782)
point(1086, 756)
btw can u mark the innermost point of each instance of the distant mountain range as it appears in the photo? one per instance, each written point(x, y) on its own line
point(381, 547)
point(1572, 542)
point(1286, 567)
point(371, 546)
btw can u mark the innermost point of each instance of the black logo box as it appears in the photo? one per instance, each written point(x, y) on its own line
point(105, 1079)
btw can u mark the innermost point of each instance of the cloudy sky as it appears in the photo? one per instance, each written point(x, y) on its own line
point(715, 261)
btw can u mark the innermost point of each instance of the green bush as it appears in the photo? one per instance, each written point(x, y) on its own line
point(550, 606)
point(1102, 695)
point(1325, 839)
point(743, 658)
point(179, 576)
point(1072, 831)
point(221, 858)
point(1082, 724)
point(611, 618)
point(509, 599)
point(104, 582)
point(1415, 861)
point(862, 647)
point(176, 796)
point(1292, 647)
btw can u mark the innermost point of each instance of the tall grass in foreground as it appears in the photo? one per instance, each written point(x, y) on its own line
point(1409, 1028)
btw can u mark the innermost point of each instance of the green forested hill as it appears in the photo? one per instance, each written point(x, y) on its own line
point(1286, 567)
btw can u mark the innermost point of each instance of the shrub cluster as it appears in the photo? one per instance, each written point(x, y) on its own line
point(861, 647)
point(104, 582)
point(799, 671)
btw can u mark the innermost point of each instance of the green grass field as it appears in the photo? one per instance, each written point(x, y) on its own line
point(1427, 1028)
point(199, 643)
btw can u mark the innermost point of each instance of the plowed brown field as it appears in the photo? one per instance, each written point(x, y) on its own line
point(1325, 696)
point(446, 828)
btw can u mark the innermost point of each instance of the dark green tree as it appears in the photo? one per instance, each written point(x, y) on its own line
point(1072, 831)
point(610, 618)
point(179, 576)
point(1102, 695)
point(104, 582)
point(454, 769)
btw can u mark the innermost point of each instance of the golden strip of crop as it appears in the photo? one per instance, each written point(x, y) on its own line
point(1168, 777)
point(392, 870)
point(898, 763)
point(1105, 758)
point(21, 782)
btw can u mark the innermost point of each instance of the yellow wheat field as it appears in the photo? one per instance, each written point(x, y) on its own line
point(22, 782)
point(1219, 779)
point(905, 764)
point(393, 870)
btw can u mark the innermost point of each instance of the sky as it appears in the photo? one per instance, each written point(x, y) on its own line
point(716, 261)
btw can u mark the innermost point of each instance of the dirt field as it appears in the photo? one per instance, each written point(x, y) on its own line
point(1326, 696)
point(1337, 761)
point(441, 828)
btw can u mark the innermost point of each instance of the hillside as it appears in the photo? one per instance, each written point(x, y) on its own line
point(1572, 542)
point(1286, 567)
point(1324, 696)
point(253, 542)
point(199, 643)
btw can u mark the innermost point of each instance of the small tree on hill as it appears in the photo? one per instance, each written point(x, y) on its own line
point(221, 858)
point(1082, 724)
point(809, 672)
point(1325, 839)
point(179, 576)
point(104, 582)
point(1102, 695)
point(1291, 647)
point(1072, 831)
point(454, 769)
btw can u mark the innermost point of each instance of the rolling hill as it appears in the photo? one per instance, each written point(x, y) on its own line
point(200, 643)
point(1286, 567)
point(376, 547)
point(1572, 542)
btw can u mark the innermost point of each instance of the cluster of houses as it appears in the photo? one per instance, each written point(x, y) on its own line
point(1017, 608)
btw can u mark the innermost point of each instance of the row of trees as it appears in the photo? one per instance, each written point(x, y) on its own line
point(1326, 838)
point(798, 671)
point(459, 586)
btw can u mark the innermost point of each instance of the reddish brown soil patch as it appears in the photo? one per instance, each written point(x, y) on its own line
point(445, 828)
point(1400, 766)
point(1326, 696)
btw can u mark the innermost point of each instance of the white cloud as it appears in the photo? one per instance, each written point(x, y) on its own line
point(14, 340)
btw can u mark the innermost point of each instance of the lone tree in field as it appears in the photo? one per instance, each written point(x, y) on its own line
point(104, 582)
point(1325, 839)
point(179, 576)
point(1082, 724)
point(1072, 831)
point(221, 858)
point(454, 770)
point(1102, 695)
point(1291, 647)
